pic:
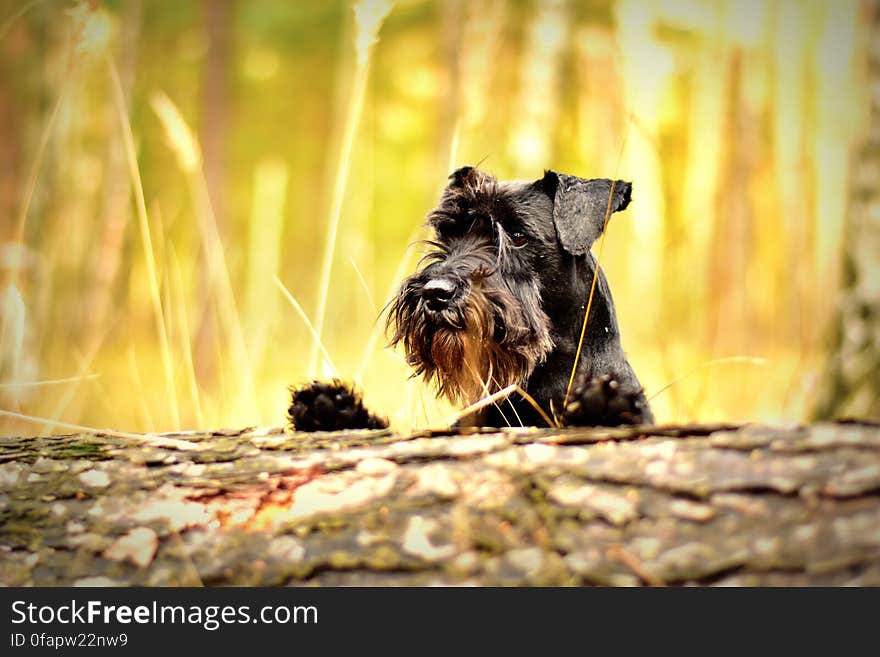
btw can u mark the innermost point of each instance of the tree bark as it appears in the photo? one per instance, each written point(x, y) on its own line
point(851, 385)
point(698, 504)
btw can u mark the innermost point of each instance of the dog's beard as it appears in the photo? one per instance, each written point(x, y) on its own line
point(492, 340)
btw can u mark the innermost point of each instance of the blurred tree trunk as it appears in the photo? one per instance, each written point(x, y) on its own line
point(218, 16)
point(11, 129)
point(451, 25)
point(117, 186)
point(851, 382)
point(732, 237)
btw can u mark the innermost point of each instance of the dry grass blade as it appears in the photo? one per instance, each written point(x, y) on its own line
point(8, 23)
point(305, 318)
point(85, 364)
point(138, 383)
point(369, 15)
point(182, 140)
point(48, 382)
point(453, 146)
point(80, 27)
point(180, 309)
point(38, 162)
point(750, 360)
point(550, 422)
point(373, 338)
point(186, 148)
point(478, 405)
point(12, 330)
point(69, 425)
point(501, 394)
point(146, 241)
point(147, 439)
point(265, 242)
point(365, 286)
point(631, 561)
point(580, 347)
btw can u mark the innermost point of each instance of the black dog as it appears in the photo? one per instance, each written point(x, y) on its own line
point(500, 300)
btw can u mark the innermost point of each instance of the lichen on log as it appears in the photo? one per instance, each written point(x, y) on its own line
point(697, 504)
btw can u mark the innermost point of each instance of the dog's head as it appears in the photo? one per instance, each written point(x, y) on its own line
point(471, 318)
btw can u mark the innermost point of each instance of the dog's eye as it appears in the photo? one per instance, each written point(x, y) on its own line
point(518, 239)
point(447, 229)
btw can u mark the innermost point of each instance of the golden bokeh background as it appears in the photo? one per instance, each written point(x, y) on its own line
point(173, 174)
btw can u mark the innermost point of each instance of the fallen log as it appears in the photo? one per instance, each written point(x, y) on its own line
point(696, 504)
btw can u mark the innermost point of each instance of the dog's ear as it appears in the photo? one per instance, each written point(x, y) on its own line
point(462, 176)
point(579, 207)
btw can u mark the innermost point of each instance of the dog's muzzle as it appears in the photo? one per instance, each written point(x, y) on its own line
point(438, 293)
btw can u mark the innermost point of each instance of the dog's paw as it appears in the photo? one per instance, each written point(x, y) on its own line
point(602, 401)
point(330, 406)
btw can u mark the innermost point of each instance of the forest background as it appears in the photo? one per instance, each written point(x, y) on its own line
point(187, 187)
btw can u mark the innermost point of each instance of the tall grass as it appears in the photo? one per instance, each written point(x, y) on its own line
point(183, 141)
point(740, 125)
point(369, 16)
point(147, 241)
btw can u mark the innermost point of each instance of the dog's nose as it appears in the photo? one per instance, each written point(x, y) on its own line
point(437, 293)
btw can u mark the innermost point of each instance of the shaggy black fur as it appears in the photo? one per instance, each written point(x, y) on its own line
point(600, 401)
point(501, 296)
point(499, 299)
point(330, 406)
